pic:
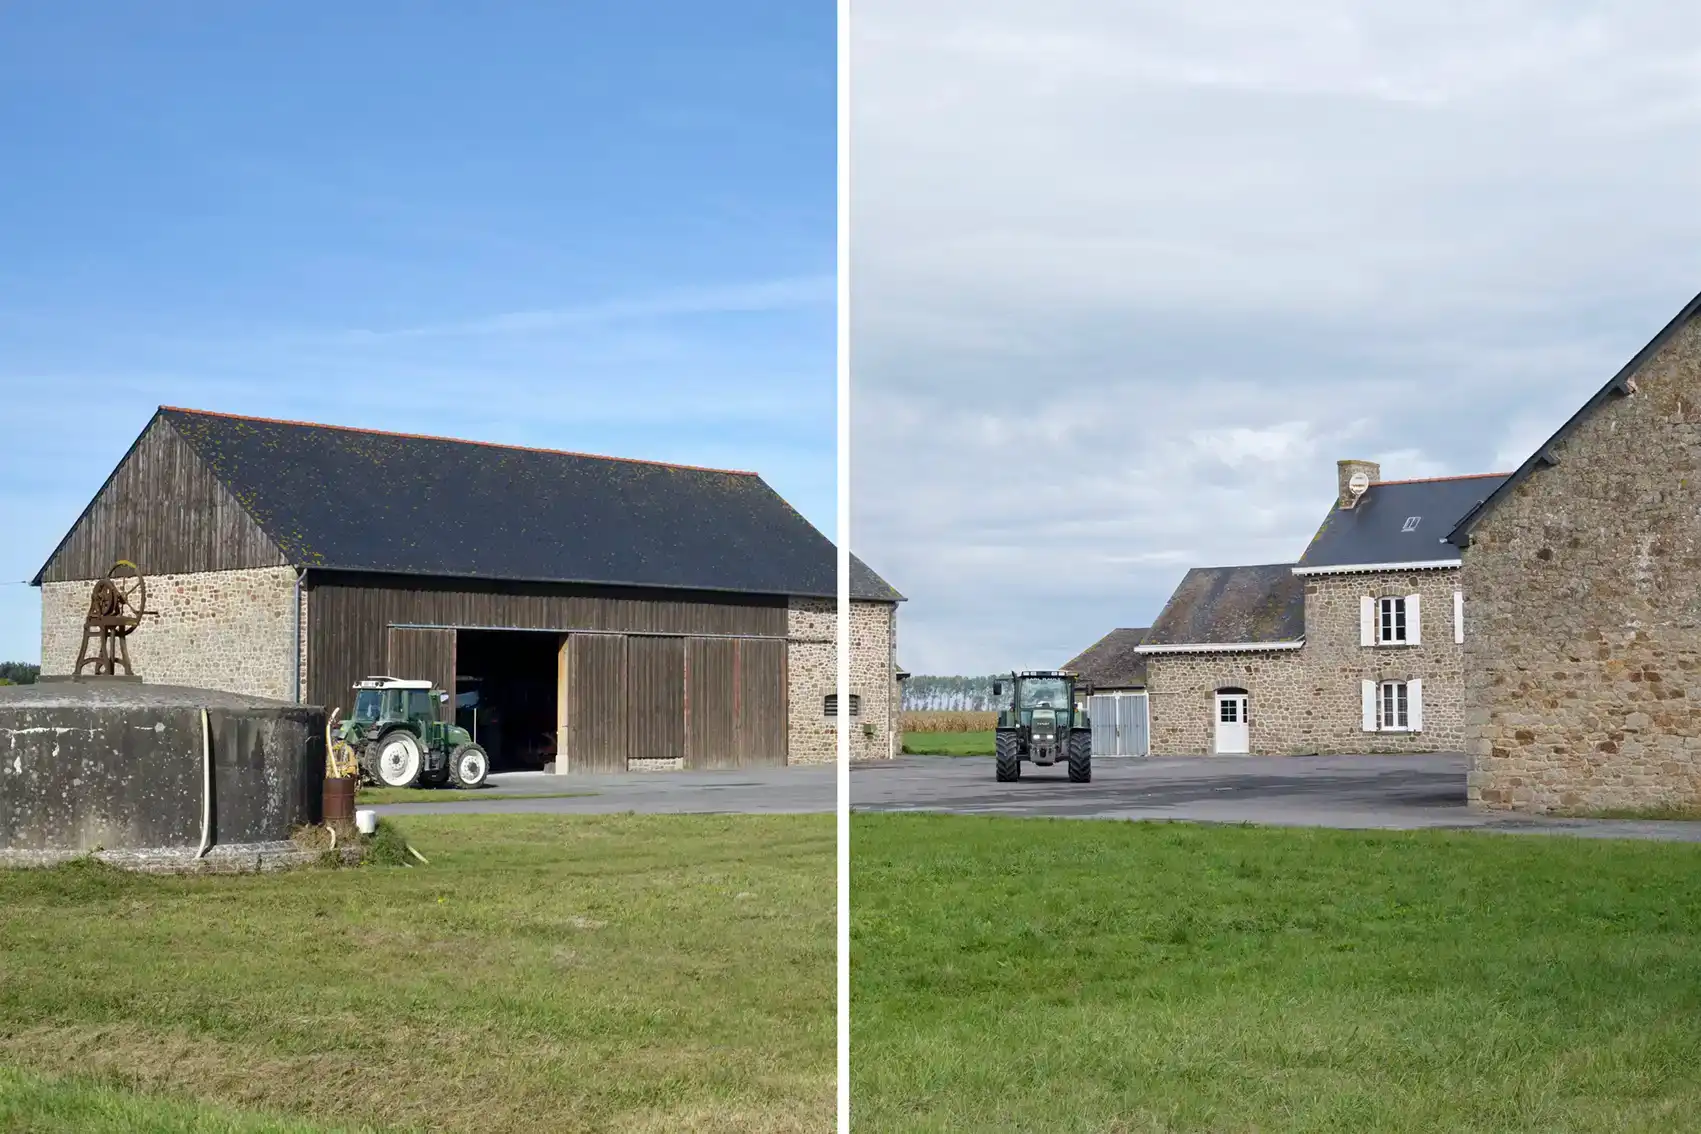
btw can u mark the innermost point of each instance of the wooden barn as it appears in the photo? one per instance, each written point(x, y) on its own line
point(592, 612)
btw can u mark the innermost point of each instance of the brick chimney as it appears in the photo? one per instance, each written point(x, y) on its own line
point(1344, 471)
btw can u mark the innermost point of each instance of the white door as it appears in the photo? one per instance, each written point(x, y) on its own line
point(1233, 737)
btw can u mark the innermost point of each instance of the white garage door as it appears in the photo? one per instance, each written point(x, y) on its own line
point(1121, 725)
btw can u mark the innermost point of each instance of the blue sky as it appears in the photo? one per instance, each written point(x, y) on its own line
point(601, 227)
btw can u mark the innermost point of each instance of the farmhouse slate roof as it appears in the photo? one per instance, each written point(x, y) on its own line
point(1233, 606)
point(1619, 385)
point(1114, 661)
point(362, 500)
point(1398, 521)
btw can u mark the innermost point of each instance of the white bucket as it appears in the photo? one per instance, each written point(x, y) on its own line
point(365, 821)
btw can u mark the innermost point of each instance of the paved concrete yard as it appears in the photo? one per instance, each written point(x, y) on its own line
point(1388, 792)
point(748, 791)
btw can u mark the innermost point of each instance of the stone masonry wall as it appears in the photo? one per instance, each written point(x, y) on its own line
point(1336, 665)
point(813, 634)
point(873, 678)
point(1182, 691)
point(230, 630)
point(1311, 700)
point(1583, 629)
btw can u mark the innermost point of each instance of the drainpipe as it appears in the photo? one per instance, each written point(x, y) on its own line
point(300, 574)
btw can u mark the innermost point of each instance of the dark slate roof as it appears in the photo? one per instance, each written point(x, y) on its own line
point(1231, 605)
point(1619, 385)
point(1398, 521)
point(361, 500)
point(865, 584)
point(1112, 662)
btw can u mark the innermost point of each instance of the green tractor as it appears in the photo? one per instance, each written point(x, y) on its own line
point(1045, 723)
point(394, 738)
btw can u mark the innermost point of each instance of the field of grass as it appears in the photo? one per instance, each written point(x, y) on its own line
point(454, 795)
point(927, 721)
point(543, 973)
point(1052, 974)
point(949, 743)
point(74, 1105)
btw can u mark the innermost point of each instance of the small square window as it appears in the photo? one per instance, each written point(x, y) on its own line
point(830, 706)
point(1229, 710)
point(1391, 622)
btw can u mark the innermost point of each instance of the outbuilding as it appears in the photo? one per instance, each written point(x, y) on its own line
point(1115, 669)
point(597, 613)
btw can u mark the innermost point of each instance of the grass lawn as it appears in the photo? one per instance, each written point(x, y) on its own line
point(948, 743)
point(79, 1106)
point(1026, 974)
point(454, 795)
point(544, 973)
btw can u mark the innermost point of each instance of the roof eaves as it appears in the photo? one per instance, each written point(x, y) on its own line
point(1369, 568)
point(1620, 385)
point(1216, 647)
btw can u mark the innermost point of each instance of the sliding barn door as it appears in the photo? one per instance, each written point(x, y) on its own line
point(596, 703)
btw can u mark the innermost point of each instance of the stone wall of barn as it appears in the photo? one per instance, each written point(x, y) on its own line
point(813, 634)
point(230, 630)
point(1583, 630)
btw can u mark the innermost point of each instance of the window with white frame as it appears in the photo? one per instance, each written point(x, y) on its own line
point(1396, 705)
point(1393, 705)
point(1390, 620)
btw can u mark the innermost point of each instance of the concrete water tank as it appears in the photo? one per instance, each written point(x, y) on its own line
point(119, 766)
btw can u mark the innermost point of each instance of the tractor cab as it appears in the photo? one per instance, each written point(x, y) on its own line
point(381, 701)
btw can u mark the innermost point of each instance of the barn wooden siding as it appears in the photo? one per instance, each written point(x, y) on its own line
point(349, 618)
point(425, 654)
point(163, 510)
point(716, 702)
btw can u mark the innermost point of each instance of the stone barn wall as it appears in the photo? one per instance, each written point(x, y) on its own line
point(1583, 610)
point(229, 630)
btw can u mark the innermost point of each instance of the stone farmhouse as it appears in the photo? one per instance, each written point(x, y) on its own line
point(598, 613)
point(1583, 652)
point(1354, 648)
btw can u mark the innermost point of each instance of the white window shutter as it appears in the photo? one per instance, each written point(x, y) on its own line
point(1414, 621)
point(1370, 706)
point(1367, 621)
point(1458, 616)
point(1414, 703)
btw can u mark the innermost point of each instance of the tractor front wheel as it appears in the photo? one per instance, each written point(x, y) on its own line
point(1080, 756)
point(468, 766)
point(398, 760)
point(1007, 759)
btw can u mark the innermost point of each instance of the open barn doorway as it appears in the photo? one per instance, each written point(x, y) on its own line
point(505, 694)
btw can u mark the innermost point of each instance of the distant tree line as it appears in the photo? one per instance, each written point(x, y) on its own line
point(923, 693)
point(18, 673)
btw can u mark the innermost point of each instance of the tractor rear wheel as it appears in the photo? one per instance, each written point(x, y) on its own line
point(468, 766)
point(1080, 756)
point(1008, 761)
point(399, 759)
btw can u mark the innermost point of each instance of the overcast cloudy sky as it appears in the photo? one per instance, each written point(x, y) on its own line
point(1128, 278)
